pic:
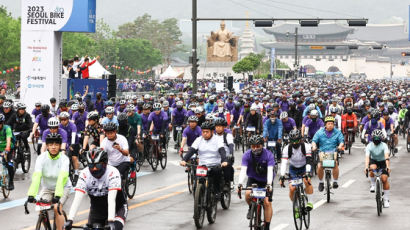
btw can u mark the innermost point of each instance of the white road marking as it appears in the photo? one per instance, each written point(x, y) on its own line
point(348, 183)
point(358, 147)
point(281, 226)
point(318, 204)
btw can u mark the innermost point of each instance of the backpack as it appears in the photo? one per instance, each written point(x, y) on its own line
point(13, 138)
point(290, 150)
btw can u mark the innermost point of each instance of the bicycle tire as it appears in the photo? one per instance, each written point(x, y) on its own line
point(163, 160)
point(5, 184)
point(179, 139)
point(211, 210)
point(43, 221)
point(190, 185)
point(130, 185)
point(154, 157)
point(328, 187)
point(378, 198)
point(34, 141)
point(199, 206)
point(226, 198)
point(306, 214)
point(297, 211)
point(253, 218)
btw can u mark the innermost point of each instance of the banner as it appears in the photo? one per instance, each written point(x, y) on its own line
point(272, 61)
point(79, 86)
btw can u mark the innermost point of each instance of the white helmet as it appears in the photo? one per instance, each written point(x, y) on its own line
point(53, 122)
point(283, 115)
point(64, 115)
point(254, 107)
point(314, 113)
point(74, 106)
point(109, 110)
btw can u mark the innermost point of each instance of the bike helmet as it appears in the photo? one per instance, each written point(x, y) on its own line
point(377, 134)
point(20, 106)
point(192, 118)
point(7, 104)
point(110, 126)
point(64, 115)
point(165, 104)
point(220, 122)
point(122, 117)
point(37, 104)
point(199, 110)
point(256, 140)
point(122, 102)
point(294, 134)
point(97, 155)
point(179, 104)
point(334, 110)
point(93, 116)
point(329, 119)
point(147, 97)
point(130, 108)
point(53, 122)
point(209, 117)
point(208, 125)
point(375, 114)
point(314, 113)
point(275, 105)
point(312, 107)
point(146, 106)
point(254, 107)
point(54, 138)
point(283, 115)
point(74, 107)
point(109, 103)
point(386, 113)
point(157, 106)
point(109, 110)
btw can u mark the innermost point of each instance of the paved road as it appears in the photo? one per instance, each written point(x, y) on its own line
point(163, 202)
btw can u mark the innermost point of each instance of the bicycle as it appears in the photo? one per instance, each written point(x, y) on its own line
point(205, 197)
point(130, 184)
point(179, 136)
point(258, 195)
point(379, 189)
point(157, 157)
point(190, 170)
point(93, 227)
point(21, 156)
point(249, 131)
point(4, 176)
point(350, 137)
point(390, 144)
point(34, 140)
point(328, 160)
point(300, 212)
point(408, 140)
point(43, 206)
point(271, 146)
point(237, 138)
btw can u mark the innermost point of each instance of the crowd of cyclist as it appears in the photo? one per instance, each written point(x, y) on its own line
point(276, 124)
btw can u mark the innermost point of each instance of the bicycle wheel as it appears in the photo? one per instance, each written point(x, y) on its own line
point(190, 185)
point(226, 197)
point(350, 138)
point(163, 160)
point(147, 152)
point(5, 183)
point(306, 214)
point(211, 209)
point(34, 141)
point(179, 140)
point(154, 157)
point(297, 211)
point(43, 223)
point(328, 186)
point(26, 162)
point(199, 206)
point(378, 198)
point(131, 184)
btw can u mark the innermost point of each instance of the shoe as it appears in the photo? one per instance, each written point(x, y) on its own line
point(10, 186)
point(164, 151)
point(309, 207)
point(372, 188)
point(75, 180)
point(297, 213)
point(395, 150)
point(248, 216)
point(386, 204)
point(321, 187)
point(335, 185)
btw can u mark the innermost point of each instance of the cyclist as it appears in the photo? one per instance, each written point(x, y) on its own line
point(134, 119)
point(21, 122)
point(41, 122)
point(94, 130)
point(254, 119)
point(377, 157)
point(371, 125)
point(200, 113)
point(190, 133)
point(102, 183)
point(312, 125)
point(328, 139)
point(211, 153)
point(338, 119)
point(109, 116)
point(300, 160)
point(72, 141)
point(273, 131)
point(51, 171)
point(121, 108)
point(177, 119)
point(54, 127)
point(7, 148)
point(158, 119)
point(389, 125)
point(257, 165)
point(227, 138)
point(144, 116)
point(8, 111)
point(349, 121)
point(210, 105)
point(37, 109)
point(288, 123)
point(117, 148)
point(80, 118)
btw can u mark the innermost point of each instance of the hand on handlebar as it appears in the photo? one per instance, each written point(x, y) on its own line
point(182, 163)
point(282, 181)
point(224, 164)
point(68, 225)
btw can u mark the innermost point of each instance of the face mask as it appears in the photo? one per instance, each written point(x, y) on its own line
point(99, 172)
point(295, 146)
point(374, 121)
point(211, 101)
point(273, 120)
point(314, 119)
point(257, 152)
point(350, 113)
point(179, 109)
point(220, 109)
point(377, 142)
point(81, 110)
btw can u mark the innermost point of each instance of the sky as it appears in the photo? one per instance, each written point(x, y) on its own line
point(117, 12)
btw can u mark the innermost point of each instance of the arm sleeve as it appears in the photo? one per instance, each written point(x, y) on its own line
point(76, 204)
point(36, 178)
point(280, 129)
point(242, 174)
point(62, 177)
point(191, 151)
point(265, 129)
point(73, 137)
point(112, 194)
point(283, 166)
point(270, 175)
point(222, 152)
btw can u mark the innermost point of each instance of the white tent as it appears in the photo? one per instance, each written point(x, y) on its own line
point(169, 73)
point(97, 70)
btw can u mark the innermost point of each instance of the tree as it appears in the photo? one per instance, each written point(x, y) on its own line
point(138, 53)
point(9, 40)
point(244, 66)
point(78, 44)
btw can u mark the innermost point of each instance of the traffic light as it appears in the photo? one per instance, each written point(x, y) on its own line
point(404, 54)
point(264, 23)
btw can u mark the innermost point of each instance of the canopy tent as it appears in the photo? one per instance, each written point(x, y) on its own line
point(96, 70)
point(169, 73)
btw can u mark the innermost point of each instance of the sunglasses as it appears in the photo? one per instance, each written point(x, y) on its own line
point(53, 127)
point(96, 165)
point(63, 119)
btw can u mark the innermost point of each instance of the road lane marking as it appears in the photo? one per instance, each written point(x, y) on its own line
point(318, 204)
point(358, 147)
point(20, 202)
point(348, 183)
point(281, 226)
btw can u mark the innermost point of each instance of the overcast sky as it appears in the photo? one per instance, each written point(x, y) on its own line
point(116, 12)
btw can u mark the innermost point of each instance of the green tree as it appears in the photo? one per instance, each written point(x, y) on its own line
point(138, 53)
point(9, 40)
point(244, 66)
point(78, 44)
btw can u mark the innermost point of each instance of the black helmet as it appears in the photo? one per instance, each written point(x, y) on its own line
point(97, 155)
point(208, 125)
point(386, 113)
point(45, 108)
point(122, 117)
point(62, 104)
point(294, 134)
point(256, 140)
point(220, 122)
point(54, 138)
point(110, 126)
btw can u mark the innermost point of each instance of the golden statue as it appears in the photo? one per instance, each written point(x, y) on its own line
point(222, 46)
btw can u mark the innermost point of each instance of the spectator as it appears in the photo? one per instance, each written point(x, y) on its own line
point(86, 64)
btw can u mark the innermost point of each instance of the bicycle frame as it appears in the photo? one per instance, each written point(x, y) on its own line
point(258, 196)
